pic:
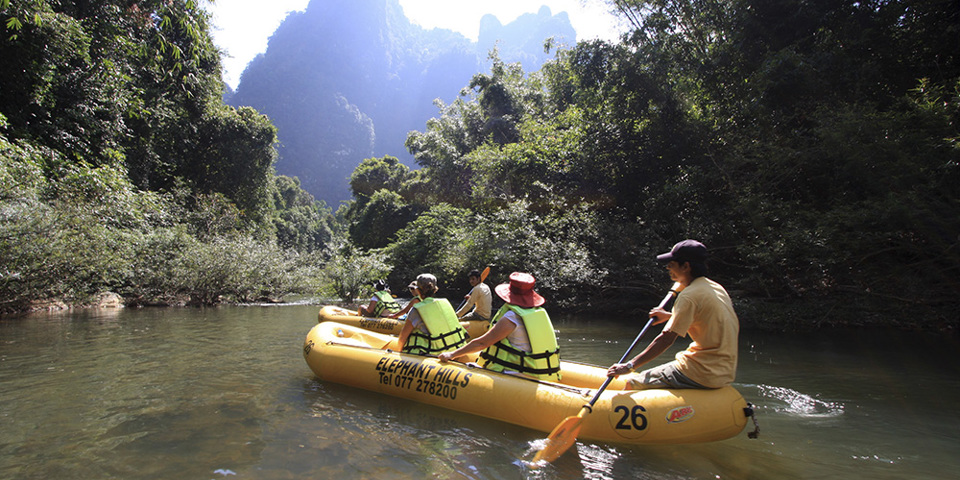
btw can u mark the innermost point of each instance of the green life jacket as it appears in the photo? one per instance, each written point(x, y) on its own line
point(445, 330)
point(542, 362)
point(386, 302)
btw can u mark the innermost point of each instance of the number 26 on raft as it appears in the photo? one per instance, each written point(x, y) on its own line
point(628, 420)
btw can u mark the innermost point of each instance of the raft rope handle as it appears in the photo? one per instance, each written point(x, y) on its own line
point(352, 345)
point(583, 392)
point(748, 411)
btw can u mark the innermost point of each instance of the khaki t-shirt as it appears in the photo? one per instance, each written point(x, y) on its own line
point(704, 311)
point(481, 297)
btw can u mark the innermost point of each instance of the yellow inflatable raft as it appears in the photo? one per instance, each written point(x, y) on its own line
point(353, 356)
point(390, 326)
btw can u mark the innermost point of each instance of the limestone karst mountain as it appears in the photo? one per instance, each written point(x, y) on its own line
point(345, 80)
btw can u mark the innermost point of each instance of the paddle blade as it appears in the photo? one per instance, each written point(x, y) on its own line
point(560, 439)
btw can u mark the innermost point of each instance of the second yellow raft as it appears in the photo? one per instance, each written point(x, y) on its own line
point(389, 326)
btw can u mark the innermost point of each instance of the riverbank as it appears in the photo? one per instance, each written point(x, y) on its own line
point(793, 315)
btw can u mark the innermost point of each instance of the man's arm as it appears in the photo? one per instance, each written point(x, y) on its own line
point(656, 347)
point(494, 335)
point(471, 301)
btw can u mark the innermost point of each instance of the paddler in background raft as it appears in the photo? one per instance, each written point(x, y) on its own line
point(521, 337)
point(382, 304)
point(479, 299)
point(414, 298)
point(703, 310)
point(432, 326)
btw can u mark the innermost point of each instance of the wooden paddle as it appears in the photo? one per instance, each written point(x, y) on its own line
point(483, 276)
point(563, 436)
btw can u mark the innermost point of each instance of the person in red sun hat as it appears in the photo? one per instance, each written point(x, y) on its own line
point(521, 338)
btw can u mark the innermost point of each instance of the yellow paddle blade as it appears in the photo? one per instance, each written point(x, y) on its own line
point(560, 439)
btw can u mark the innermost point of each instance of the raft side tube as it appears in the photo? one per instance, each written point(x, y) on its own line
point(352, 356)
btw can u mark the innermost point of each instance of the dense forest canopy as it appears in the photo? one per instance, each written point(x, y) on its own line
point(121, 168)
point(812, 145)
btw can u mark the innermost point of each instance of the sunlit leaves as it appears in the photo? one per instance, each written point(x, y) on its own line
point(375, 221)
point(374, 174)
point(303, 223)
point(449, 242)
point(30, 10)
point(350, 269)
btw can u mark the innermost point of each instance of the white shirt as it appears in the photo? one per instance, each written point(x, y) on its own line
point(518, 338)
point(418, 324)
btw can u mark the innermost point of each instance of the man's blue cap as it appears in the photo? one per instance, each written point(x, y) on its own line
point(685, 251)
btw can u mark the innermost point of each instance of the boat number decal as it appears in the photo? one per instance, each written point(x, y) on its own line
point(631, 418)
point(680, 414)
point(307, 348)
point(428, 379)
point(382, 325)
point(627, 418)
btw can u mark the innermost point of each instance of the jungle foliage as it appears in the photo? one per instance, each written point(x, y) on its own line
point(812, 145)
point(121, 168)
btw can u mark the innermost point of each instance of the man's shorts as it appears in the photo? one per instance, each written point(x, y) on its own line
point(472, 316)
point(664, 376)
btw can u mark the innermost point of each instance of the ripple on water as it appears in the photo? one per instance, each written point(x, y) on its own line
point(800, 404)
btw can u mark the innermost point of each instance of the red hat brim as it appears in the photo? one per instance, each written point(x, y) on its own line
point(530, 299)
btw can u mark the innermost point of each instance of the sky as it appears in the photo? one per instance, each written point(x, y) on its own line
point(242, 27)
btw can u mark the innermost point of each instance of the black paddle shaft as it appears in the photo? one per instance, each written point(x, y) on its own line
point(673, 291)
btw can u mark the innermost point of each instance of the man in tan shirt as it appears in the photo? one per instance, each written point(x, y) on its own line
point(479, 300)
point(702, 310)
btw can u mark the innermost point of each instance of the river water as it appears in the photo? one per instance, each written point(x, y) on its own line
point(182, 393)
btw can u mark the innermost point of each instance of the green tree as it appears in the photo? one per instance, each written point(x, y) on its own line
point(237, 152)
point(374, 174)
point(819, 153)
point(374, 223)
point(424, 244)
point(55, 93)
point(352, 269)
point(122, 169)
point(302, 222)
